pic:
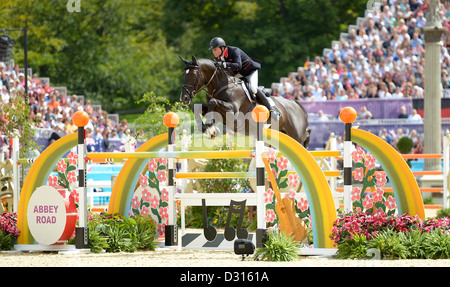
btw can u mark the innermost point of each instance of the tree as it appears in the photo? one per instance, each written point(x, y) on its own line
point(113, 52)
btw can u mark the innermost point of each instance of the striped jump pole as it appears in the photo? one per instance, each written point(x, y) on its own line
point(171, 121)
point(348, 116)
point(81, 119)
point(260, 114)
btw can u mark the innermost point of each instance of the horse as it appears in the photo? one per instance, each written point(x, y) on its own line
point(226, 94)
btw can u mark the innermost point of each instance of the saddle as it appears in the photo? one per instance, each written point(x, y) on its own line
point(246, 87)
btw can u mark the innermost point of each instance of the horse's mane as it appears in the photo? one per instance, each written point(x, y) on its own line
point(210, 64)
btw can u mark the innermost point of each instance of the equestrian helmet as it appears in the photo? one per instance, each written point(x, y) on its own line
point(216, 42)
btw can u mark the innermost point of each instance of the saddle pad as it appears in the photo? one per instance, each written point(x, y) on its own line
point(247, 92)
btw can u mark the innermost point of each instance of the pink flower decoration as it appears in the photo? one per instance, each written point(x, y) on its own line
point(356, 193)
point(152, 165)
point(164, 195)
point(144, 210)
point(73, 158)
point(368, 202)
point(290, 194)
point(154, 202)
point(161, 228)
point(75, 195)
point(268, 196)
point(163, 161)
point(359, 174)
point(271, 154)
point(370, 162)
point(135, 202)
point(62, 166)
point(293, 180)
point(161, 175)
point(143, 180)
point(390, 203)
point(381, 178)
point(282, 163)
point(377, 195)
point(146, 195)
point(163, 212)
point(302, 204)
point(52, 180)
point(358, 155)
point(72, 176)
point(270, 215)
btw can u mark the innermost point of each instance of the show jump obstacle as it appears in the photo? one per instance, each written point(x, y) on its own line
point(318, 193)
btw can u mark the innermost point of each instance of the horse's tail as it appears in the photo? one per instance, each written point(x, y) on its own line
point(308, 129)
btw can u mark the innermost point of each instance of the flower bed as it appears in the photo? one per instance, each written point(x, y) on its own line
point(8, 230)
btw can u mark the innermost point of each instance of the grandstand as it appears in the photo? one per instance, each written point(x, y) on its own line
point(377, 63)
point(52, 108)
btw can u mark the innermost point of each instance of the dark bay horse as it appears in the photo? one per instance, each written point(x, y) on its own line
point(225, 94)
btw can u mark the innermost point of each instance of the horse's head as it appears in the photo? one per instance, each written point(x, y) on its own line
point(192, 80)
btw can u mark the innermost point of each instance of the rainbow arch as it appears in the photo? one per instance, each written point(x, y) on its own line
point(317, 190)
point(37, 176)
point(406, 190)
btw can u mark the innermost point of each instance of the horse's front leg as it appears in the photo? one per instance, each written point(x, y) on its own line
point(213, 116)
point(199, 111)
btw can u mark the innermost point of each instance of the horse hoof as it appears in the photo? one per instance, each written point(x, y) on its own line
point(212, 132)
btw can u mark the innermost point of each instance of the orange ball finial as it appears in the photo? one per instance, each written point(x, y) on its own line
point(171, 120)
point(260, 114)
point(348, 115)
point(80, 119)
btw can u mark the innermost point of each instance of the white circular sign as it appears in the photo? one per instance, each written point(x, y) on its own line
point(46, 215)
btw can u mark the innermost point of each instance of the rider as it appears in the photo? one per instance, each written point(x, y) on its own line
point(240, 64)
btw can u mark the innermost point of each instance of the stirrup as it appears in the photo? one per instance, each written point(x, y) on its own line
point(275, 115)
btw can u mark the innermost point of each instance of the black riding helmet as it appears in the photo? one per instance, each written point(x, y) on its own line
point(216, 42)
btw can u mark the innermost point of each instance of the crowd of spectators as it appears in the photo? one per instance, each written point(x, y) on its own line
point(383, 57)
point(52, 110)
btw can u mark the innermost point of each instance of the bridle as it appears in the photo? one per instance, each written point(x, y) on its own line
point(194, 88)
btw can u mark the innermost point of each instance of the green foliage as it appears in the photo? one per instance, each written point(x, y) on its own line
point(443, 212)
point(413, 242)
point(114, 233)
point(17, 114)
point(227, 184)
point(150, 124)
point(436, 244)
point(354, 248)
point(404, 145)
point(279, 247)
point(6, 240)
point(389, 244)
point(398, 245)
point(144, 232)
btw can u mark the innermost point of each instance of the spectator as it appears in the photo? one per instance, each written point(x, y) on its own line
point(419, 146)
point(364, 113)
point(403, 114)
point(320, 117)
point(414, 116)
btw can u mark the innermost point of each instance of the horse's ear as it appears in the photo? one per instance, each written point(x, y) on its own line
point(194, 60)
point(186, 62)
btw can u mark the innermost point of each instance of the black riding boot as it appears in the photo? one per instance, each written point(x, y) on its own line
point(263, 99)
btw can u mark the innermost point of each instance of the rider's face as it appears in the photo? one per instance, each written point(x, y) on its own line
point(217, 52)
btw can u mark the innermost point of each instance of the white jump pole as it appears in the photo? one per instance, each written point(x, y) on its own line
point(348, 116)
point(171, 121)
point(82, 231)
point(260, 114)
point(445, 172)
